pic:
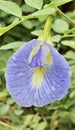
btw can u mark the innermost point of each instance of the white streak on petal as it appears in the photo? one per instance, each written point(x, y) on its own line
point(53, 88)
point(20, 74)
point(70, 73)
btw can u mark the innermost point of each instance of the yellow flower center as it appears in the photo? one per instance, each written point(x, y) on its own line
point(37, 77)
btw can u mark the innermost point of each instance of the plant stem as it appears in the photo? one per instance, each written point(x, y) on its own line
point(67, 36)
point(5, 124)
point(69, 20)
point(47, 27)
point(46, 35)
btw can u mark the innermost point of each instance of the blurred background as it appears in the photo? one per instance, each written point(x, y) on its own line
point(59, 115)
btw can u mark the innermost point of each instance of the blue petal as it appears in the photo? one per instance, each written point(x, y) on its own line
point(18, 75)
point(30, 86)
point(56, 80)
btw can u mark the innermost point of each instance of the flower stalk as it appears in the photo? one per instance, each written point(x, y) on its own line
point(46, 34)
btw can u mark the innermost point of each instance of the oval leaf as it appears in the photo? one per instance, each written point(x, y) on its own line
point(56, 3)
point(34, 3)
point(11, 8)
point(56, 38)
point(69, 43)
point(45, 11)
point(70, 55)
point(11, 45)
point(36, 32)
point(60, 26)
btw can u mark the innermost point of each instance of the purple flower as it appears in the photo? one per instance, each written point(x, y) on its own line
point(37, 74)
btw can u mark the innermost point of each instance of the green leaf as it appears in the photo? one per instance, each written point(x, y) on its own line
point(71, 14)
point(34, 3)
point(60, 26)
point(2, 127)
point(28, 24)
point(73, 69)
point(11, 45)
point(4, 56)
point(70, 55)
point(56, 38)
point(3, 94)
point(70, 31)
point(72, 116)
point(11, 8)
point(14, 118)
point(18, 112)
point(36, 32)
point(4, 109)
point(72, 62)
point(56, 3)
point(41, 126)
point(25, 8)
point(45, 11)
point(28, 119)
point(69, 43)
point(10, 101)
point(72, 94)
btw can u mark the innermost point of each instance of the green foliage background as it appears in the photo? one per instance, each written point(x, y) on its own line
point(59, 115)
